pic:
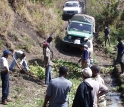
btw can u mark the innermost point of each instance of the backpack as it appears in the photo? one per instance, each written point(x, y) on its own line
point(84, 96)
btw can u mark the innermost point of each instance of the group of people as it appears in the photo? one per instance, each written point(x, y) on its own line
point(4, 69)
point(91, 92)
point(91, 89)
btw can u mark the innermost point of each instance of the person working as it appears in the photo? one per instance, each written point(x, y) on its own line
point(18, 54)
point(85, 62)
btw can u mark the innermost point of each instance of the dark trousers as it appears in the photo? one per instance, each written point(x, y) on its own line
point(5, 86)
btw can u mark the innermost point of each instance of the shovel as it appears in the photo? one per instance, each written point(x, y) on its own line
point(21, 69)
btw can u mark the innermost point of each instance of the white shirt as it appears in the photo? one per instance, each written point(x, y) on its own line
point(90, 45)
point(99, 79)
point(48, 55)
point(3, 64)
point(97, 87)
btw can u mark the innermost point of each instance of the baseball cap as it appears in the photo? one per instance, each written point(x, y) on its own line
point(6, 52)
point(84, 45)
point(87, 72)
point(85, 39)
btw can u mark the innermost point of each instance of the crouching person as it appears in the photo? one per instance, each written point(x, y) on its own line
point(18, 54)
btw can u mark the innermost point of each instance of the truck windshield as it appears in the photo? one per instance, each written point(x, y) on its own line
point(80, 27)
point(71, 5)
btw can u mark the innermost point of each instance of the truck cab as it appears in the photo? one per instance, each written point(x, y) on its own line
point(79, 27)
point(72, 7)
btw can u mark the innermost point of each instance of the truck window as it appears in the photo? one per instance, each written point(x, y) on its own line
point(71, 5)
point(80, 27)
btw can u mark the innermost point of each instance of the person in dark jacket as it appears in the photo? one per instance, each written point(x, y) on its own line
point(107, 36)
point(120, 53)
point(88, 91)
point(85, 61)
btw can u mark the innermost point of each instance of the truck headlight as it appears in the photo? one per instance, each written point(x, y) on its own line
point(64, 12)
point(69, 37)
point(76, 12)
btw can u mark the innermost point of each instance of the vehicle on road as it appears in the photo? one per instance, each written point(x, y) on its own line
point(80, 27)
point(73, 7)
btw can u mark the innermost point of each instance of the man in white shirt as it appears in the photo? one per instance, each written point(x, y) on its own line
point(96, 76)
point(5, 76)
point(89, 43)
point(18, 54)
point(47, 62)
point(98, 88)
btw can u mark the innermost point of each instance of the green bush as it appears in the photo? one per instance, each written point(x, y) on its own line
point(37, 70)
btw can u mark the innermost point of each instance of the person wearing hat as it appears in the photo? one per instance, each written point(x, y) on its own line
point(5, 76)
point(89, 43)
point(96, 76)
point(120, 53)
point(18, 54)
point(57, 90)
point(85, 62)
point(97, 89)
point(47, 62)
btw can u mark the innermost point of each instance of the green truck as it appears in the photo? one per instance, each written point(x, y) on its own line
point(80, 26)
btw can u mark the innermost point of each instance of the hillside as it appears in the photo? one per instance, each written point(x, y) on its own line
point(25, 24)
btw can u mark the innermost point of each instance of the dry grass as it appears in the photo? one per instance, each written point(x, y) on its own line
point(44, 19)
point(6, 17)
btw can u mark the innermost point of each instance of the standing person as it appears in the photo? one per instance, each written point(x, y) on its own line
point(85, 62)
point(96, 76)
point(5, 76)
point(120, 53)
point(88, 91)
point(47, 63)
point(57, 91)
point(89, 43)
point(49, 41)
point(107, 36)
point(18, 54)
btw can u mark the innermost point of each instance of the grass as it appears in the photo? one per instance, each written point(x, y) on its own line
point(43, 18)
point(6, 17)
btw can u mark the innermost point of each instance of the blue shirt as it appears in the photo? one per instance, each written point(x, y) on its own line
point(106, 31)
point(120, 47)
point(85, 55)
point(57, 90)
